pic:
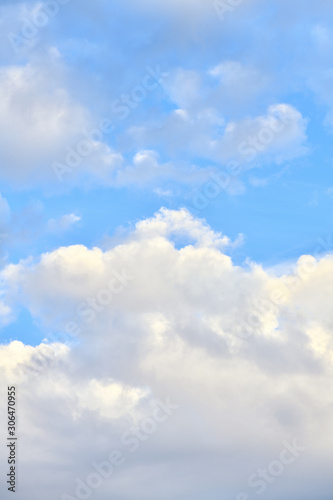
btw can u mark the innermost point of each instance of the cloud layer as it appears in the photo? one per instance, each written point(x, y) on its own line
point(246, 356)
point(165, 364)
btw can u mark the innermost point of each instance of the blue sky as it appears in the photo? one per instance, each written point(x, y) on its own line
point(97, 62)
point(188, 142)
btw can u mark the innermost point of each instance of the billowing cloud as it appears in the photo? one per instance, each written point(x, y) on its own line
point(243, 354)
point(163, 370)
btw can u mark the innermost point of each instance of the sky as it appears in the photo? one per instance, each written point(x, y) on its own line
point(166, 241)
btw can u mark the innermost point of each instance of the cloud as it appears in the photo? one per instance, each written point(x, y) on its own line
point(165, 312)
point(60, 146)
point(64, 223)
point(37, 118)
point(206, 122)
point(5, 218)
point(41, 124)
point(277, 136)
point(5, 214)
point(202, 115)
point(146, 169)
point(225, 343)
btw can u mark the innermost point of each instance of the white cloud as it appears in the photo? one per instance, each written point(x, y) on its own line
point(40, 124)
point(36, 120)
point(277, 136)
point(176, 330)
point(236, 85)
point(202, 126)
point(64, 223)
point(47, 138)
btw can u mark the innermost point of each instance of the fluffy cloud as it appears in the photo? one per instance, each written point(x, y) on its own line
point(34, 120)
point(213, 110)
point(47, 138)
point(41, 125)
point(244, 354)
point(277, 136)
point(207, 122)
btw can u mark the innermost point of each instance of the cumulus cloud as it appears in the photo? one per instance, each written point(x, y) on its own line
point(36, 118)
point(206, 121)
point(212, 112)
point(60, 146)
point(243, 353)
point(41, 126)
